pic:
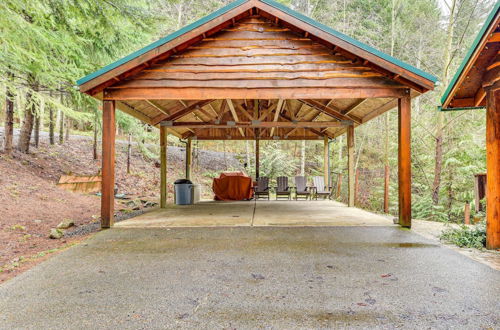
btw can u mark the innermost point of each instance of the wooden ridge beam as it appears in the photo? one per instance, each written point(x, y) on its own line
point(241, 138)
point(255, 124)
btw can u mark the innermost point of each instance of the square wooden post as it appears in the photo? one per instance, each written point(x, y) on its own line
point(108, 164)
point(404, 160)
point(350, 164)
point(189, 157)
point(163, 166)
point(257, 159)
point(493, 167)
point(326, 161)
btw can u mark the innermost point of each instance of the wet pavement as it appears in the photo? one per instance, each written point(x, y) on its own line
point(255, 277)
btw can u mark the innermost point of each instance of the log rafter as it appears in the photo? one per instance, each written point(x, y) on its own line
point(183, 111)
point(330, 111)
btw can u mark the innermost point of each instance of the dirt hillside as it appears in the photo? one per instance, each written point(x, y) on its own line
point(32, 204)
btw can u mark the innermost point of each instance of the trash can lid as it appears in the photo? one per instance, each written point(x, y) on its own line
point(183, 181)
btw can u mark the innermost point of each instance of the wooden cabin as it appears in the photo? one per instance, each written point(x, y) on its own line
point(476, 85)
point(257, 70)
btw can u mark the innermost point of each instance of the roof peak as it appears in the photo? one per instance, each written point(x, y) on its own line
point(398, 67)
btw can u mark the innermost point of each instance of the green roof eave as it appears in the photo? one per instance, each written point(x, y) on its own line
point(350, 40)
point(162, 41)
point(440, 108)
point(470, 53)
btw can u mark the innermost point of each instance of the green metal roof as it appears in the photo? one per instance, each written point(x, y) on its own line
point(468, 56)
point(276, 5)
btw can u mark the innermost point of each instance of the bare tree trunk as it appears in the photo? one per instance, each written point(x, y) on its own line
point(61, 129)
point(42, 114)
point(67, 131)
point(303, 159)
point(418, 64)
point(29, 118)
point(129, 152)
point(94, 146)
point(9, 119)
point(179, 15)
point(438, 166)
point(61, 121)
point(51, 124)
point(341, 141)
point(387, 174)
point(451, 194)
point(36, 129)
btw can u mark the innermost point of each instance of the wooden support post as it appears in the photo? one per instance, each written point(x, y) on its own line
point(493, 168)
point(163, 166)
point(404, 164)
point(467, 213)
point(350, 164)
point(326, 161)
point(257, 159)
point(339, 185)
point(189, 157)
point(108, 164)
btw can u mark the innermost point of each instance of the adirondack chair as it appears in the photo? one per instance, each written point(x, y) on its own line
point(262, 188)
point(282, 189)
point(301, 188)
point(320, 189)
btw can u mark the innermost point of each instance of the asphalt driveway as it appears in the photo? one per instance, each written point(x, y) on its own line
point(254, 277)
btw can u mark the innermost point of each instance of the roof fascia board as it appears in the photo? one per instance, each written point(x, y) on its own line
point(440, 108)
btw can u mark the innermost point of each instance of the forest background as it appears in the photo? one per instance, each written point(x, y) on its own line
point(46, 45)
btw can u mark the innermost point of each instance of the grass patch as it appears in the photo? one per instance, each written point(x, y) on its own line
point(466, 236)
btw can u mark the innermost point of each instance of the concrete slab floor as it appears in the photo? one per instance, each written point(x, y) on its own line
point(205, 214)
point(258, 277)
point(260, 213)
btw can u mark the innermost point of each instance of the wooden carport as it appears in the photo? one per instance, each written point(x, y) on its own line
point(476, 85)
point(257, 70)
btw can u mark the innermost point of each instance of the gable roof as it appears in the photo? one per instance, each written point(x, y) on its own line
point(472, 55)
point(360, 49)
